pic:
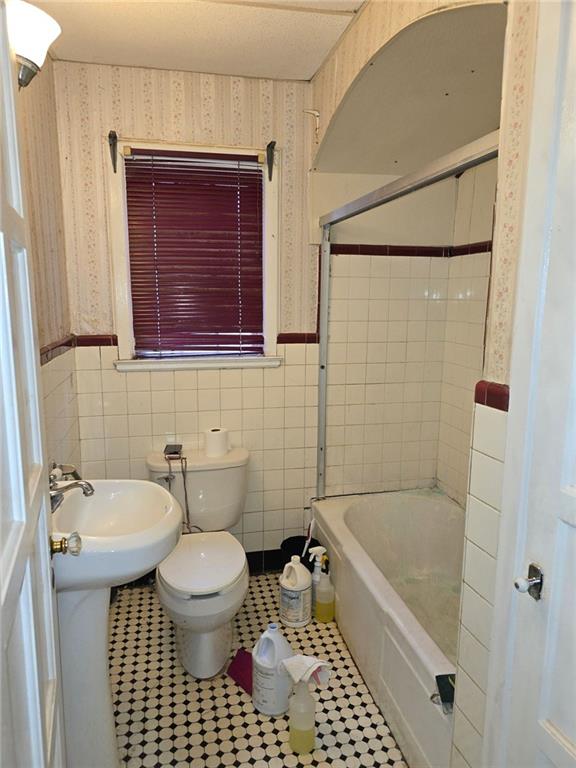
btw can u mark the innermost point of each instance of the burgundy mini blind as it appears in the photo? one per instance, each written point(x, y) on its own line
point(195, 240)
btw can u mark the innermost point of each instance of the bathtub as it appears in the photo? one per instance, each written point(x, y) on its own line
point(396, 563)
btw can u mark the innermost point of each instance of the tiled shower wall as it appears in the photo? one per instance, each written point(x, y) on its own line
point(271, 411)
point(405, 350)
point(463, 357)
point(477, 600)
point(386, 335)
point(60, 408)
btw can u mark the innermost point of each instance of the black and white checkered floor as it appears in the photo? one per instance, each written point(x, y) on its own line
point(164, 717)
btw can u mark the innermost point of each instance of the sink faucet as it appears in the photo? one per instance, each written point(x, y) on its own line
point(57, 492)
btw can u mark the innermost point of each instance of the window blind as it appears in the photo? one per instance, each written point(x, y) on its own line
point(195, 240)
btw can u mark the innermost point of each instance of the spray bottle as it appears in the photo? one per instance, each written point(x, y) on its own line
point(316, 554)
point(304, 670)
point(324, 606)
point(302, 715)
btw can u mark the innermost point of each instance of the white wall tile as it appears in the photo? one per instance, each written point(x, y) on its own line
point(473, 658)
point(486, 479)
point(470, 699)
point(457, 760)
point(87, 358)
point(480, 571)
point(482, 525)
point(90, 404)
point(476, 615)
point(107, 357)
point(490, 431)
point(88, 382)
point(467, 739)
point(137, 381)
point(91, 427)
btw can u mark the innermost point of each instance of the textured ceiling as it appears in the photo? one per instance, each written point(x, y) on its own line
point(433, 88)
point(283, 39)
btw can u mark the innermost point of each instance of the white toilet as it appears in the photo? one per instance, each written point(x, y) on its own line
point(203, 582)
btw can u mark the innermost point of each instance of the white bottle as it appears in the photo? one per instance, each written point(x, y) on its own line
point(302, 717)
point(295, 594)
point(317, 553)
point(271, 684)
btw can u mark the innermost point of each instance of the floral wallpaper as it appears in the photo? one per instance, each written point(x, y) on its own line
point(41, 174)
point(514, 139)
point(162, 105)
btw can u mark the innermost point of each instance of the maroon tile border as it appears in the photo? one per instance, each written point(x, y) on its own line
point(389, 250)
point(57, 348)
point(297, 338)
point(50, 351)
point(480, 247)
point(434, 251)
point(97, 340)
point(492, 394)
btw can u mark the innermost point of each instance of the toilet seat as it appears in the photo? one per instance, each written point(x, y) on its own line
point(203, 564)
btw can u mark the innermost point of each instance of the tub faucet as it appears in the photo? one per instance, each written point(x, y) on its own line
point(57, 492)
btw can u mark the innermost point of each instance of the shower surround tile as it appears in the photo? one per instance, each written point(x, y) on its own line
point(165, 717)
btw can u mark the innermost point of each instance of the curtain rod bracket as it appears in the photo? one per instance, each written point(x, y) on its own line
point(270, 147)
point(113, 144)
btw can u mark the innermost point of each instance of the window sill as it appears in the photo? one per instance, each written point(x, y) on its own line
point(187, 364)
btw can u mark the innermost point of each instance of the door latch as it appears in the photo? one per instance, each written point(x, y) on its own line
point(533, 584)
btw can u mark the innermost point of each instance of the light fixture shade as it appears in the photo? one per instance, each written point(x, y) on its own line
point(32, 31)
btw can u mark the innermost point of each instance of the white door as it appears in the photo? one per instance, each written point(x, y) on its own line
point(31, 711)
point(531, 710)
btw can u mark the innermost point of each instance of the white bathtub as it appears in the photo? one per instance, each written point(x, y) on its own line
point(396, 561)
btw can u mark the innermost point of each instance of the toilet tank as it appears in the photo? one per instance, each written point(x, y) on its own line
point(216, 486)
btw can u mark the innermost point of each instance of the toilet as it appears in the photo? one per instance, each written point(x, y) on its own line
point(203, 582)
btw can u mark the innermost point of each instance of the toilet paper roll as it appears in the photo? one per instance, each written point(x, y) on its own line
point(215, 442)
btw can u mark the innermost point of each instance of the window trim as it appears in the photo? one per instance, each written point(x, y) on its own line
point(118, 238)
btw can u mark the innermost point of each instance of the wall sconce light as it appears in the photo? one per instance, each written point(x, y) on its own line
point(32, 31)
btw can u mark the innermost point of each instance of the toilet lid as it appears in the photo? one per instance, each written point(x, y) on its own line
point(203, 563)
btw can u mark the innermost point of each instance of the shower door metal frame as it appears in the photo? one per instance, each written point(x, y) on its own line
point(462, 159)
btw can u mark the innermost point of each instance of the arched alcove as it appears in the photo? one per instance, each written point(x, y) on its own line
point(432, 88)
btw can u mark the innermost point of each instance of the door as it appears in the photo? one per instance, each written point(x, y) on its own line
point(531, 708)
point(31, 710)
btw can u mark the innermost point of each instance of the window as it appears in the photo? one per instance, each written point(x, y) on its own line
point(197, 260)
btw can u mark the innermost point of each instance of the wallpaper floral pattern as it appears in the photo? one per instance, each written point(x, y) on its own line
point(514, 139)
point(41, 175)
point(176, 107)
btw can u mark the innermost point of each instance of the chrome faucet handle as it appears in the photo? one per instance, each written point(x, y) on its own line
point(65, 471)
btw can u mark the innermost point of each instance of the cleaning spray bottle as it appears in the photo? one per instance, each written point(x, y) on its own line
point(324, 604)
point(304, 671)
point(316, 554)
point(302, 716)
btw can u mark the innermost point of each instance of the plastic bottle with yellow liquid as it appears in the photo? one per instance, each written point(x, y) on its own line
point(302, 714)
point(324, 604)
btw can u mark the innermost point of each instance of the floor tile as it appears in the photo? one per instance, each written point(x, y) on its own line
point(164, 717)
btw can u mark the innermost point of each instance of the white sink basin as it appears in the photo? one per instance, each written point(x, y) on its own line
point(127, 527)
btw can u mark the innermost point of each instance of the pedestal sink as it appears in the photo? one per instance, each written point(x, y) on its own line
point(127, 527)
